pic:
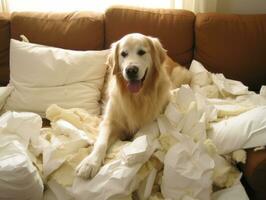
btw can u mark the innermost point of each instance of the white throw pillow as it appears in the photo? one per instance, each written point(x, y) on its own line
point(246, 130)
point(43, 75)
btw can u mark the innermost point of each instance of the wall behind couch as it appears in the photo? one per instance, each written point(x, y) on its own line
point(241, 6)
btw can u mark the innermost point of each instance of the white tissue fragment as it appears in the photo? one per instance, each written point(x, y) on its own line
point(187, 171)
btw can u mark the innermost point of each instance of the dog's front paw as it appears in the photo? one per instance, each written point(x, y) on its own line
point(89, 167)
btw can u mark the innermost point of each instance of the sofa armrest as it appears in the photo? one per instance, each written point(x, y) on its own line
point(4, 48)
point(255, 172)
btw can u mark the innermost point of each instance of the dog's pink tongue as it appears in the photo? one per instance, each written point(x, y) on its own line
point(134, 86)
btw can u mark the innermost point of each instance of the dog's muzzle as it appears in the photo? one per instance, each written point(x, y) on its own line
point(132, 72)
point(134, 84)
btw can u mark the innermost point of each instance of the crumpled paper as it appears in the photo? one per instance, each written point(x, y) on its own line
point(214, 85)
point(65, 140)
point(237, 191)
point(24, 127)
point(17, 170)
point(117, 179)
point(173, 157)
point(225, 174)
point(187, 171)
point(18, 131)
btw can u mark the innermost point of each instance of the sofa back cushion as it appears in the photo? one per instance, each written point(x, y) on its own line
point(4, 48)
point(75, 30)
point(174, 28)
point(234, 45)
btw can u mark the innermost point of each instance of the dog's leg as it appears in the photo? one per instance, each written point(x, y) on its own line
point(90, 165)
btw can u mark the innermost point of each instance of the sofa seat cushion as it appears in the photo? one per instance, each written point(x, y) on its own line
point(173, 27)
point(75, 31)
point(234, 45)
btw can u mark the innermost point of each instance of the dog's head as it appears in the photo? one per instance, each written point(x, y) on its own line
point(135, 57)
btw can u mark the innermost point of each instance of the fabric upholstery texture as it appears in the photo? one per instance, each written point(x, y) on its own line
point(255, 173)
point(75, 30)
point(4, 48)
point(174, 28)
point(234, 45)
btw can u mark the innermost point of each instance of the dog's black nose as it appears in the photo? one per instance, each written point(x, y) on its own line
point(132, 72)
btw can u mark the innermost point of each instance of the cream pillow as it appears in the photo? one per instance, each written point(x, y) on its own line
point(43, 75)
point(246, 130)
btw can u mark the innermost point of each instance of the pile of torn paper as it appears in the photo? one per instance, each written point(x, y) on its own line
point(19, 178)
point(180, 156)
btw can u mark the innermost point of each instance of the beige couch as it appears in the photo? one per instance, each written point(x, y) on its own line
point(231, 44)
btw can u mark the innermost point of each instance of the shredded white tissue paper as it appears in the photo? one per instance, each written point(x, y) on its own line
point(19, 178)
point(178, 156)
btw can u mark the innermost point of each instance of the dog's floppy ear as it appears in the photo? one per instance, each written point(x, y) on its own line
point(112, 60)
point(157, 51)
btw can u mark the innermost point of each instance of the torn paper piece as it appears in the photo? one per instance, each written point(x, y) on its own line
point(209, 91)
point(229, 87)
point(65, 175)
point(65, 128)
point(16, 171)
point(79, 118)
point(182, 97)
point(138, 151)
point(151, 131)
point(194, 123)
point(113, 181)
point(230, 110)
point(54, 112)
point(60, 149)
point(237, 191)
point(145, 188)
point(201, 79)
point(229, 107)
point(113, 152)
point(224, 174)
point(187, 171)
point(251, 100)
point(173, 114)
point(196, 67)
point(204, 106)
point(117, 178)
point(60, 192)
point(24, 126)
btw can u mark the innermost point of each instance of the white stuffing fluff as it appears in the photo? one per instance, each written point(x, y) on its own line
point(4, 93)
point(240, 156)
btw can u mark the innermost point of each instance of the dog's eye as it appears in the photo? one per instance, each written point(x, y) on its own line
point(141, 52)
point(124, 54)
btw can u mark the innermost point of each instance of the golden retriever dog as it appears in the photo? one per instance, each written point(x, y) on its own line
point(142, 75)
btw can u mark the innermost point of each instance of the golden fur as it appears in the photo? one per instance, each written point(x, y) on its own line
point(126, 112)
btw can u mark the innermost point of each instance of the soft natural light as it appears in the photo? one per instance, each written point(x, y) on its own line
point(93, 5)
